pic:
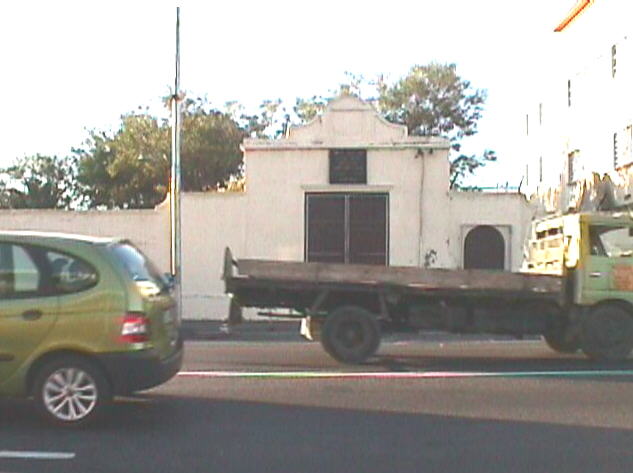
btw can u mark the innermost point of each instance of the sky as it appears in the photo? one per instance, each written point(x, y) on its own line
point(70, 67)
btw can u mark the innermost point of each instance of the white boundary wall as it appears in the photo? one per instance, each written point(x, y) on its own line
point(213, 221)
point(147, 229)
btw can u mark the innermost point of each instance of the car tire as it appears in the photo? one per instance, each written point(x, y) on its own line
point(350, 334)
point(71, 391)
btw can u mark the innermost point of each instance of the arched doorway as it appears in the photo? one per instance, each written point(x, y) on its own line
point(484, 248)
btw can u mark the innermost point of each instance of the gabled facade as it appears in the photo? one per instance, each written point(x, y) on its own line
point(348, 187)
point(355, 188)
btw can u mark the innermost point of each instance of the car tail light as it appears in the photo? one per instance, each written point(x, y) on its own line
point(134, 328)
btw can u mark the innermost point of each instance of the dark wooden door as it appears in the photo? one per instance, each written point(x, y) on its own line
point(367, 229)
point(484, 248)
point(347, 228)
point(325, 228)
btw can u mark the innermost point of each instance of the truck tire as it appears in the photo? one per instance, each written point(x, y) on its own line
point(71, 391)
point(607, 333)
point(350, 334)
point(558, 343)
point(558, 339)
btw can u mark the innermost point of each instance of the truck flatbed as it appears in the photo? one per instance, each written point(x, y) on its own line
point(244, 273)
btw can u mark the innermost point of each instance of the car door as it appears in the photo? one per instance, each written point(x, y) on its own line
point(28, 305)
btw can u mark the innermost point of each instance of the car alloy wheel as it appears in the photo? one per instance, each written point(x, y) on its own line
point(71, 391)
point(70, 394)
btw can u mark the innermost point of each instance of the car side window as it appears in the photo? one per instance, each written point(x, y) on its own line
point(70, 274)
point(19, 273)
point(6, 270)
point(34, 271)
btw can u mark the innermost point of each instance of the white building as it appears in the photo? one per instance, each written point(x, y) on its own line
point(348, 187)
point(578, 129)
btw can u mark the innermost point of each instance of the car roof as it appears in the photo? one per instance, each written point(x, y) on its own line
point(36, 236)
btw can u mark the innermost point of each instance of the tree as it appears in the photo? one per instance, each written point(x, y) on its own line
point(127, 169)
point(270, 121)
point(130, 168)
point(434, 100)
point(307, 109)
point(210, 147)
point(39, 182)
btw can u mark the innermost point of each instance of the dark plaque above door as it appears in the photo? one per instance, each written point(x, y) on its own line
point(348, 166)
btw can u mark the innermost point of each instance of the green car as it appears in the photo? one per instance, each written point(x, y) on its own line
point(82, 319)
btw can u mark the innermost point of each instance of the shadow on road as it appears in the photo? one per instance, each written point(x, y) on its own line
point(461, 358)
point(166, 434)
point(555, 367)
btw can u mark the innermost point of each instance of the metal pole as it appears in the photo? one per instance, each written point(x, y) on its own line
point(174, 181)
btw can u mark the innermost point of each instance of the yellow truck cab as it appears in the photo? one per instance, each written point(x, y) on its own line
point(594, 253)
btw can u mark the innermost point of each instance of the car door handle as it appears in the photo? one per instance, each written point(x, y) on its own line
point(32, 314)
point(596, 274)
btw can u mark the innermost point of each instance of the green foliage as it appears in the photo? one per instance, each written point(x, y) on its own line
point(38, 182)
point(127, 169)
point(210, 150)
point(130, 168)
point(434, 100)
point(466, 165)
point(307, 109)
point(270, 121)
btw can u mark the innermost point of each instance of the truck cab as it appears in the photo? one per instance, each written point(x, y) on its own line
point(594, 253)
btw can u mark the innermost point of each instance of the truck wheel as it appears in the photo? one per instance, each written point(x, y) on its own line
point(350, 334)
point(607, 333)
point(558, 340)
point(71, 391)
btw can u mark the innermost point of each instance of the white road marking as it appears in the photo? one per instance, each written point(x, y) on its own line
point(398, 374)
point(30, 455)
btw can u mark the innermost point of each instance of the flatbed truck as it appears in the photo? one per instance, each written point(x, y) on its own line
point(575, 289)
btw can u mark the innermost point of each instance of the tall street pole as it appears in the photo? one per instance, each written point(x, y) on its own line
point(174, 178)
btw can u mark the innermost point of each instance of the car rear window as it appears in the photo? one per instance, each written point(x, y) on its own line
point(137, 265)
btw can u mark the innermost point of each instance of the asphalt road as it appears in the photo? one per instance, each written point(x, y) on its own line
point(284, 406)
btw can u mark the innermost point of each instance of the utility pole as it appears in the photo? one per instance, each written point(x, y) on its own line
point(174, 178)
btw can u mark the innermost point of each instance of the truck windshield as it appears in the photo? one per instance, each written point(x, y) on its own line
point(138, 266)
point(611, 241)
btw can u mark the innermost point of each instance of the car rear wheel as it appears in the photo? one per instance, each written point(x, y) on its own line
point(71, 391)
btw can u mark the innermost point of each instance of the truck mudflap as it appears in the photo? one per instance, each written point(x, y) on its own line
point(235, 316)
point(310, 328)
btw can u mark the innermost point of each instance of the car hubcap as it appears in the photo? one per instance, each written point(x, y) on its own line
point(70, 394)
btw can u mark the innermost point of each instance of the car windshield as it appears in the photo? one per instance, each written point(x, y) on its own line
point(611, 241)
point(138, 266)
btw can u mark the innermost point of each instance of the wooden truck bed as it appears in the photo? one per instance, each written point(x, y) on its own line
point(244, 273)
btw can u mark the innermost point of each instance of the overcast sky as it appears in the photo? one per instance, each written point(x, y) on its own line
point(69, 67)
